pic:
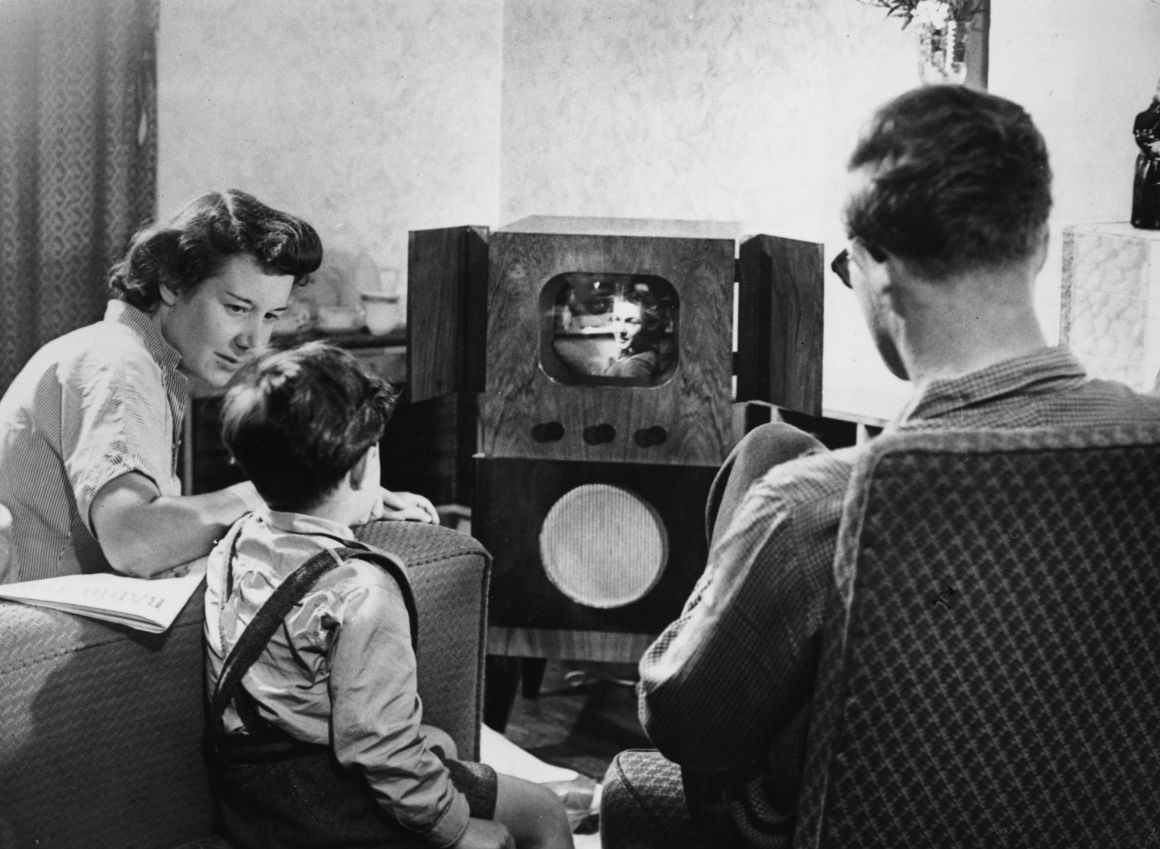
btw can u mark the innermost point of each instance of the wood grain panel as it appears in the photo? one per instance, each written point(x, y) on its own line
point(693, 406)
point(513, 496)
point(780, 315)
point(446, 311)
point(428, 448)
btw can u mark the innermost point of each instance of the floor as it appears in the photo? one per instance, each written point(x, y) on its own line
point(583, 715)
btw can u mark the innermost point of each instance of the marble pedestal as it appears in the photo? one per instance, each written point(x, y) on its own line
point(1110, 305)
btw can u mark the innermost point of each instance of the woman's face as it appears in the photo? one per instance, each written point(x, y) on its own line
point(224, 321)
point(626, 323)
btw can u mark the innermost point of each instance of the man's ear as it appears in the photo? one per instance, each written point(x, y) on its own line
point(873, 262)
point(358, 472)
point(1040, 255)
point(881, 273)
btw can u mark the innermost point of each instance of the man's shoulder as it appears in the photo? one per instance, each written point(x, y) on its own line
point(1092, 402)
point(1120, 403)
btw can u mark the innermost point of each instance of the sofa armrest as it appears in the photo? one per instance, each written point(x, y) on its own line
point(100, 731)
point(101, 727)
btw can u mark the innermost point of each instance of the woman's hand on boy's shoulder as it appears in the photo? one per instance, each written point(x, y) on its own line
point(485, 834)
point(406, 507)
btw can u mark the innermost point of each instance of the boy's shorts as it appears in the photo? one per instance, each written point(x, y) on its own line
point(309, 801)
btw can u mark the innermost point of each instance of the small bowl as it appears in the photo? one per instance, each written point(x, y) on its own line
point(336, 318)
point(382, 313)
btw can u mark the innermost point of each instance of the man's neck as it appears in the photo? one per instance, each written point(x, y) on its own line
point(989, 319)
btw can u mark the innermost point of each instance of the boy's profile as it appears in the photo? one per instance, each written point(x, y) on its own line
point(316, 731)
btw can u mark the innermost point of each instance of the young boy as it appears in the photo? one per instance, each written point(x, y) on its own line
point(320, 744)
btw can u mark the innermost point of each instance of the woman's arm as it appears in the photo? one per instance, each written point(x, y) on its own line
point(143, 533)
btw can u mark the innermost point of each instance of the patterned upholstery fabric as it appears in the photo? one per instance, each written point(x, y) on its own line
point(101, 727)
point(642, 804)
point(991, 669)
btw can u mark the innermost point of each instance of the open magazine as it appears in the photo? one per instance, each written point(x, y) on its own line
point(142, 603)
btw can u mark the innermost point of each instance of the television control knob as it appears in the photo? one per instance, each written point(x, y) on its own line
point(647, 437)
point(597, 434)
point(548, 432)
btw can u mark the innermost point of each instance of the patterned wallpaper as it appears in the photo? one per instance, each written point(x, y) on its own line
point(369, 118)
point(735, 110)
point(381, 116)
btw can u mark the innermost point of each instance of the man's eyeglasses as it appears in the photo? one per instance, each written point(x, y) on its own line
point(841, 267)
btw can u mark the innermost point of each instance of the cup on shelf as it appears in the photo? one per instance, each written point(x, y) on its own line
point(337, 318)
point(382, 312)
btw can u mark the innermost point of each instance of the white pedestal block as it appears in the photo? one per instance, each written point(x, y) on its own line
point(1110, 306)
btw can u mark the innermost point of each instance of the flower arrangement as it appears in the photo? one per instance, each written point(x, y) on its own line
point(931, 13)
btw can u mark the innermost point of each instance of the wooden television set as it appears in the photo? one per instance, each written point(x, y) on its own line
point(595, 451)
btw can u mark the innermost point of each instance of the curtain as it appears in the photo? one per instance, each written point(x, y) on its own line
point(78, 159)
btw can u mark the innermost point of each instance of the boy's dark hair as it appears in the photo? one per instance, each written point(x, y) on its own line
point(195, 243)
point(296, 421)
point(960, 180)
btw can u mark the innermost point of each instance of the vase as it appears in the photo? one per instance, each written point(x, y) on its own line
point(942, 52)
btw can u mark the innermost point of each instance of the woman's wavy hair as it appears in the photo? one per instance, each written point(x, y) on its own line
point(296, 421)
point(197, 241)
point(959, 180)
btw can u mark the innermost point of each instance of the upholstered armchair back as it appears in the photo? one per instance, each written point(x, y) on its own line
point(991, 669)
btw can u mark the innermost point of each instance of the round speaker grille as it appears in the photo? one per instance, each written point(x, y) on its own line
point(603, 546)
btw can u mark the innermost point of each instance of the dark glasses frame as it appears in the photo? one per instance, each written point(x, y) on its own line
point(841, 267)
point(841, 263)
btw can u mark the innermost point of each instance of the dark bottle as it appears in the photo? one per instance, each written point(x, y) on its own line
point(1146, 189)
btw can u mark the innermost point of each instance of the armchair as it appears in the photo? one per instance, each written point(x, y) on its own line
point(990, 671)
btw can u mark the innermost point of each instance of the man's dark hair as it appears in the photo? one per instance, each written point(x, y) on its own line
point(959, 180)
point(197, 241)
point(296, 421)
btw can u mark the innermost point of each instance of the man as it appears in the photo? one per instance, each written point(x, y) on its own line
point(946, 220)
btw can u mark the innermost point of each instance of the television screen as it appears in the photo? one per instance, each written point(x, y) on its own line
point(609, 329)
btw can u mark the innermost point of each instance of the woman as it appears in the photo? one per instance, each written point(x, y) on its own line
point(90, 428)
point(639, 321)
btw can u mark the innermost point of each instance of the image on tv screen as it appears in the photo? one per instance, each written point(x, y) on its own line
point(609, 329)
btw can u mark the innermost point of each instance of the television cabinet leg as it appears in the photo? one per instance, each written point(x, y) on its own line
point(501, 678)
point(532, 671)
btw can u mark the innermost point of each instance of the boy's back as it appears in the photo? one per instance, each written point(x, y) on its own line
point(308, 681)
point(322, 744)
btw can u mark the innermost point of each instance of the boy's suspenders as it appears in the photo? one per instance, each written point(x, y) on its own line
point(254, 638)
